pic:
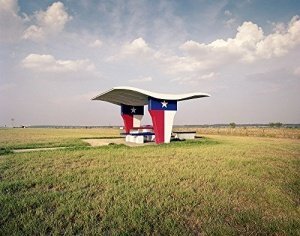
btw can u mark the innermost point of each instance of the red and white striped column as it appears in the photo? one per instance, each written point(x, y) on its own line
point(162, 113)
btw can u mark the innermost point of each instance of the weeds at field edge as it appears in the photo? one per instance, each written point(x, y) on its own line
point(5, 151)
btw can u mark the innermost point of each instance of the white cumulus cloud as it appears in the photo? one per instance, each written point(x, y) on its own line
point(140, 50)
point(11, 24)
point(137, 47)
point(47, 63)
point(48, 23)
point(248, 45)
point(96, 44)
point(280, 42)
point(197, 60)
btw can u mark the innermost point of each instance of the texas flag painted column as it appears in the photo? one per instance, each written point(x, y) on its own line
point(132, 116)
point(162, 113)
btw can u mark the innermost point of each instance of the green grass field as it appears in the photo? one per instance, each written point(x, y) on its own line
point(39, 138)
point(217, 185)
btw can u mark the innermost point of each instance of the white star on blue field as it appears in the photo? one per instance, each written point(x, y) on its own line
point(56, 55)
point(133, 110)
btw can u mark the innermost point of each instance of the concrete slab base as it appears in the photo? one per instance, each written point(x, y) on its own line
point(103, 142)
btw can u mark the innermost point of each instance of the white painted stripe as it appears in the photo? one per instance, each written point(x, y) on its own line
point(137, 120)
point(169, 119)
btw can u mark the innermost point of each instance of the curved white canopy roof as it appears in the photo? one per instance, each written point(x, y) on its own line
point(139, 97)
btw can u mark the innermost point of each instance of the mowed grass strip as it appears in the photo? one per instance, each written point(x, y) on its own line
point(293, 133)
point(217, 185)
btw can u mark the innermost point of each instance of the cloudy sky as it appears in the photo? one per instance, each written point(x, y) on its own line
point(56, 55)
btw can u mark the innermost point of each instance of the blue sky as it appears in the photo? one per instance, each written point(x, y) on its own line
point(56, 55)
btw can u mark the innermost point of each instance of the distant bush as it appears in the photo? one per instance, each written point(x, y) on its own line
point(232, 125)
point(275, 125)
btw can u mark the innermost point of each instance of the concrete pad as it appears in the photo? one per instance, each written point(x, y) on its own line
point(91, 142)
point(103, 142)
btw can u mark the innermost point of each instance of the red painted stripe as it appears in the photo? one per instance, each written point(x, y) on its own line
point(158, 120)
point(128, 122)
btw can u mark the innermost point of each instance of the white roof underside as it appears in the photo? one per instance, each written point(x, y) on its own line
point(139, 97)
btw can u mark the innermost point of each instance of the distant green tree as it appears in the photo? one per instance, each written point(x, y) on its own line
point(275, 124)
point(232, 125)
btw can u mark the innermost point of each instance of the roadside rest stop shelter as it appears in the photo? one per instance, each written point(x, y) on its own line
point(162, 108)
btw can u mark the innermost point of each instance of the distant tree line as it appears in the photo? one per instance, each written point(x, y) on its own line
point(271, 124)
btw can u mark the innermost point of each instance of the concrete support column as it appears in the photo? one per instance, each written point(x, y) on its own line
point(132, 116)
point(162, 113)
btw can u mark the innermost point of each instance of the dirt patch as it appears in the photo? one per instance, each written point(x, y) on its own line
point(102, 142)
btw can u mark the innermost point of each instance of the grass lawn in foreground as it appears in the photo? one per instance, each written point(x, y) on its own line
point(220, 185)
